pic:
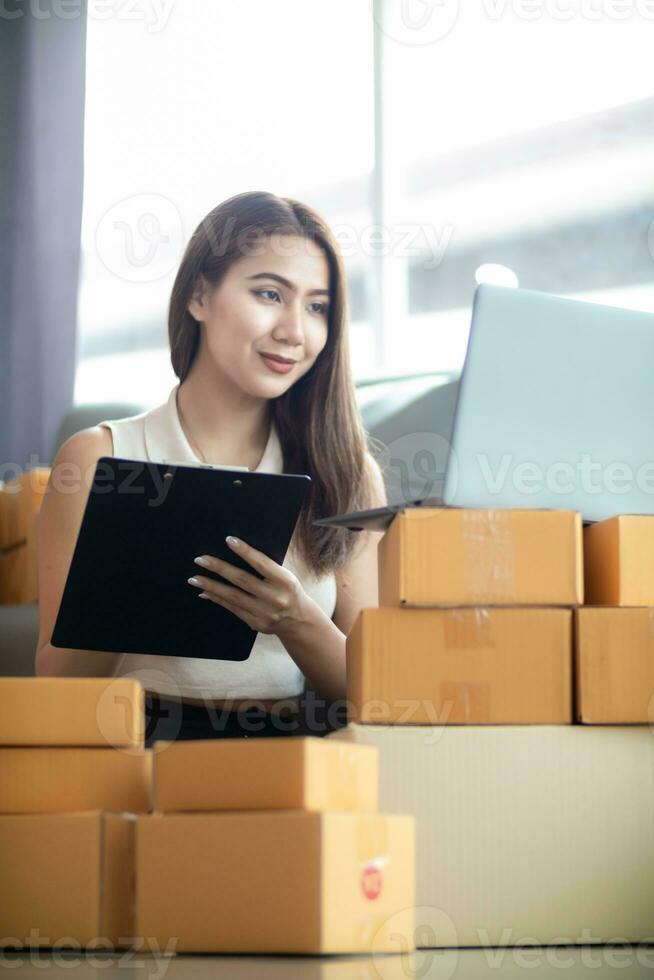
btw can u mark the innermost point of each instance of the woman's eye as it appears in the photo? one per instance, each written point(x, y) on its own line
point(266, 293)
point(260, 292)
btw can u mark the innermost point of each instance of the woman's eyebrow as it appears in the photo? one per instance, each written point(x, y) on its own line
point(287, 283)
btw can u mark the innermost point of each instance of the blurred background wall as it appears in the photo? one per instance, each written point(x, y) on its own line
point(508, 141)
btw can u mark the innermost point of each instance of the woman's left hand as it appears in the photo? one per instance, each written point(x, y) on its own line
point(277, 603)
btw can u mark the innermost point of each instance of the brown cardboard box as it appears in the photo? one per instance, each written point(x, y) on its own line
point(619, 561)
point(57, 780)
point(614, 665)
point(20, 502)
point(464, 557)
point(67, 876)
point(539, 834)
point(487, 666)
point(264, 774)
point(106, 711)
point(20, 499)
point(284, 881)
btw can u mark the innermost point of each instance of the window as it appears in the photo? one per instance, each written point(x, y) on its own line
point(446, 143)
point(519, 139)
point(189, 103)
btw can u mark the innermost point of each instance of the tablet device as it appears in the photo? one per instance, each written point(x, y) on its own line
point(144, 523)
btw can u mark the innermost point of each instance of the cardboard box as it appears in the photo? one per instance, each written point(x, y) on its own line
point(460, 666)
point(20, 502)
point(56, 780)
point(614, 665)
point(537, 834)
point(284, 881)
point(464, 557)
point(86, 711)
point(619, 561)
point(20, 499)
point(67, 876)
point(265, 773)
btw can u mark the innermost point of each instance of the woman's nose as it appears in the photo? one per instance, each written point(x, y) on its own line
point(291, 324)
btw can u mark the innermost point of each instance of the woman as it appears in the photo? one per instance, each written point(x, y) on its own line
point(258, 338)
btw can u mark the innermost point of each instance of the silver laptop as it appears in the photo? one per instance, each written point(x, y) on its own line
point(555, 409)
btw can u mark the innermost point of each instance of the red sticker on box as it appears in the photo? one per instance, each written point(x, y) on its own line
point(371, 881)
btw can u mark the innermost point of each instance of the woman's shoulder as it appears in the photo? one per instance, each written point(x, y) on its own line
point(90, 443)
point(128, 433)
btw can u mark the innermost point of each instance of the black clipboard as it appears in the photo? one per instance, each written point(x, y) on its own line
point(144, 523)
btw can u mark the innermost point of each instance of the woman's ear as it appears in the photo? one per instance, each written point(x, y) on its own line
point(197, 303)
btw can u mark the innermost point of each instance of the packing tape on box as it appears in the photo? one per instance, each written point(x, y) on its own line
point(467, 627)
point(469, 702)
point(489, 559)
point(344, 768)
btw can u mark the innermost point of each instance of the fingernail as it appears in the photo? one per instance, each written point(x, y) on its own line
point(233, 541)
point(193, 581)
point(201, 561)
point(202, 595)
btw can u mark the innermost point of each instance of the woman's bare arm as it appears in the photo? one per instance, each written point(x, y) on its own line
point(58, 525)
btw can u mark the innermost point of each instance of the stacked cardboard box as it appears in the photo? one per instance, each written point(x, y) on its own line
point(474, 622)
point(20, 502)
point(73, 774)
point(530, 829)
point(272, 845)
point(266, 845)
point(614, 650)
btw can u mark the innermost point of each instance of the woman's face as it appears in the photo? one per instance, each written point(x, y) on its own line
point(274, 301)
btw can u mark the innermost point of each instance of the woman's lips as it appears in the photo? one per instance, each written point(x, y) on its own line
point(277, 366)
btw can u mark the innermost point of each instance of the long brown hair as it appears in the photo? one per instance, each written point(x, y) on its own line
point(318, 420)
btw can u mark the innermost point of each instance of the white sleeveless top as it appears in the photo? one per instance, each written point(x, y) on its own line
point(269, 672)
